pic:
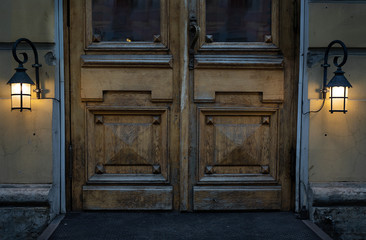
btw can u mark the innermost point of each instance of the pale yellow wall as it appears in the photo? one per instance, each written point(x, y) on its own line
point(26, 138)
point(330, 21)
point(337, 142)
point(26, 143)
point(33, 19)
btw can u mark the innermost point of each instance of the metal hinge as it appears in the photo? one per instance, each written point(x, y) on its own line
point(293, 163)
point(68, 13)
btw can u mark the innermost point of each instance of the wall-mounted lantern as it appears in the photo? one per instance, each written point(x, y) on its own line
point(338, 84)
point(20, 82)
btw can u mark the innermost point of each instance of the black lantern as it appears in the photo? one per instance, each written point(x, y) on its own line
point(338, 84)
point(20, 82)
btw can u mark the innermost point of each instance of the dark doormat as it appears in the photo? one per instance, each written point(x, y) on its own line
point(175, 225)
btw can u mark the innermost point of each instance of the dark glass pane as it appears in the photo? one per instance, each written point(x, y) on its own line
point(126, 20)
point(238, 20)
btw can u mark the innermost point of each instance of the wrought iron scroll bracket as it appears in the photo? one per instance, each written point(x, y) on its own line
point(36, 65)
point(325, 65)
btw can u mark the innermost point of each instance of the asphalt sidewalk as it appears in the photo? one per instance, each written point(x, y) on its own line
point(175, 225)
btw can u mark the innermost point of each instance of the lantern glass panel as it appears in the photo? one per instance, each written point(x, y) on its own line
point(20, 91)
point(26, 88)
point(15, 88)
point(338, 92)
point(26, 101)
point(338, 95)
point(15, 101)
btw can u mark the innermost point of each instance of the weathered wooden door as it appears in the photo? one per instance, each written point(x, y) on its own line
point(187, 105)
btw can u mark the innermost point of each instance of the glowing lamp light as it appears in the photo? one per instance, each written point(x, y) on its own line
point(338, 92)
point(20, 87)
point(20, 82)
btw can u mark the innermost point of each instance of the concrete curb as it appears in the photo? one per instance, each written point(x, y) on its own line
point(46, 234)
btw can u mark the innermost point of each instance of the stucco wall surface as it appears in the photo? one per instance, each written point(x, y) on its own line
point(26, 143)
point(26, 146)
point(342, 20)
point(33, 19)
point(337, 141)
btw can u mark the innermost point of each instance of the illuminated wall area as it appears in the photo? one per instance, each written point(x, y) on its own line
point(28, 139)
point(337, 142)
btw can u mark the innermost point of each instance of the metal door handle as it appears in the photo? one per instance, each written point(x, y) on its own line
point(194, 32)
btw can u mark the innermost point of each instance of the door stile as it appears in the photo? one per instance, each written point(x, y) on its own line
point(68, 153)
point(290, 44)
point(77, 113)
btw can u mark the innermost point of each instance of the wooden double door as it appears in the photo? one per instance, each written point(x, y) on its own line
point(180, 105)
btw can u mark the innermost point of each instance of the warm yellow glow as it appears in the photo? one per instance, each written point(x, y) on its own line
point(15, 101)
point(128, 40)
point(20, 91)
point(26, 88)
point(15, 88)
point(338, 92)
point(26, 102)
point(338, 103)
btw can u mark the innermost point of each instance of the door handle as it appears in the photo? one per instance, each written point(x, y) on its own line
point(194, 32)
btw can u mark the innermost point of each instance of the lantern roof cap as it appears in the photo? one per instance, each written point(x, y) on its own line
point(339, 80)
point(20, 76)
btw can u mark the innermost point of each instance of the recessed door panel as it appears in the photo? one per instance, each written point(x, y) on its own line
point(127, 144)
point(237, 145)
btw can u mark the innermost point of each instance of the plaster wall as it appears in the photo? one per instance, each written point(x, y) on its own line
point(26, 139)
point(337, 141)
point(23, 18)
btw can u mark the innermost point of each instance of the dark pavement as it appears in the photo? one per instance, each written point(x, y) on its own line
point(175, 225)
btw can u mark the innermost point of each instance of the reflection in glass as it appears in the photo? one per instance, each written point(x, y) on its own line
point(126, 20)
point(238, 20)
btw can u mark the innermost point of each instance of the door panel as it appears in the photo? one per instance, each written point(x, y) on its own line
point(237, 145)
point(127, 145)
point(240, 76)
point(127, 197)
point(150, 73)
point(158, 120)
point(123, 108)
point(237, 197)
point(237, 149)
point(209, 81)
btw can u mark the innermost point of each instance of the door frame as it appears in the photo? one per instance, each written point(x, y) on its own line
point(302, 137)
point(59, 172)
point(66, 149)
